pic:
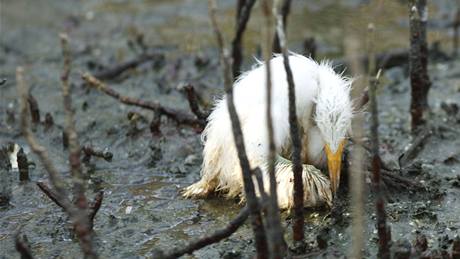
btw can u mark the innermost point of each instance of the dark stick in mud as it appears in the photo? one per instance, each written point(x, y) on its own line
point(243, 13)
point(193, 102)
point(251, 199)
point(418, 61)
point(274, 231)
point(52, 195)
point(206, 240)
point(22, 246)
point(23, 166)
point(456, 25)
point(283, 12)
point(176, 115)
point(116, 70)
point(94, 207)
point(34, 110)
point(382, 230)
point(298, 226)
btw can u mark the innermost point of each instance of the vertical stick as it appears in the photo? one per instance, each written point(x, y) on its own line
point(251, 199)
point(418, 61)
point(455, 25)
point(297, 169)
point(82, 227)
point(243, 12)
point(284, 12)
point(275, 232)
point(356, 177)
point(384, 249)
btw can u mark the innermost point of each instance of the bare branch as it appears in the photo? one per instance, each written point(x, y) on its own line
point(206, 240)
point(275, 233)
point(418, 60)
point(283, 11)
point(118, 69)
point(356, 175)
point(176, 115)
point(242, 17)
point(384, 241)
point(297, 169)
point(256, 218)
point(41, 152)
point(192, 98)
point(51, 194)
point(74, 146)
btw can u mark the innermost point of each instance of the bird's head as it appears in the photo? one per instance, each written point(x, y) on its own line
point(333, 116)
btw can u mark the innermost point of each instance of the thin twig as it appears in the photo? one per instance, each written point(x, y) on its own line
point(414, 149)
point(242, 17)
point(275, 232)
point(283, 11)
point(74, 146)
point(118, 69)
point(212, 238)
point(82, 226)
point(356, 176)
point(456, 25)
point(384, 242)
point(298, 226)
point(51, 194)
point(176, 115)
point(251, 199)
point(193, 102)
point(94, 208)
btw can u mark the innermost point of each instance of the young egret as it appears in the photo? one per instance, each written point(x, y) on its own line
point(324, 111)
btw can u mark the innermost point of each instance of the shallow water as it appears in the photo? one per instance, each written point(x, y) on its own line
point(142, 208)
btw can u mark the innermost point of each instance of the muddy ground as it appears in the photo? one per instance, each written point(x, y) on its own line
point(142, 208)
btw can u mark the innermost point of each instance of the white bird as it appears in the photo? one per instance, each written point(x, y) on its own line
point(324, 110)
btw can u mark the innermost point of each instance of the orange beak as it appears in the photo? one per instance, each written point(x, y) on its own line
point(334, 162)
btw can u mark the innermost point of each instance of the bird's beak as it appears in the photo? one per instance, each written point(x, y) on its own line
point(334, 162)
